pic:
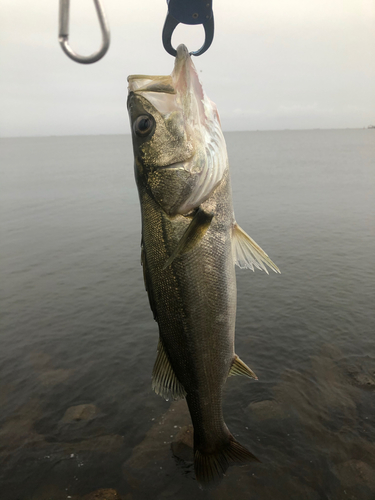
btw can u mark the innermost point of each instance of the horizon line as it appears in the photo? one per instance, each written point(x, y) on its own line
point(224, 131)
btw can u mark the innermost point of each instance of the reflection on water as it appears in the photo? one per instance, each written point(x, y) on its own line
point(78, 418)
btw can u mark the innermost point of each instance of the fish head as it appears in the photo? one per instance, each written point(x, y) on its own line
point(179, 148)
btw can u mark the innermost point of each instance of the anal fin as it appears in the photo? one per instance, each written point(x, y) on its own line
point(164, 380)
point(240, 368)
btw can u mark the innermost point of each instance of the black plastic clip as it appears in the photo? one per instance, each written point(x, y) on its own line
point(188, 12)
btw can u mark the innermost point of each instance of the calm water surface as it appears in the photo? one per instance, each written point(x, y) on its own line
point(76, 328)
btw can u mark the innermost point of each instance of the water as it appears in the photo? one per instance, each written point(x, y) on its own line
point(77, 329)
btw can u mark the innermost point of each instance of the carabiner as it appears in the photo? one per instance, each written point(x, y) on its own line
point(191, 12)
point(64, 33)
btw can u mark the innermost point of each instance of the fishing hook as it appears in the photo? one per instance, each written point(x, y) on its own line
point(64, 33)
point(188, 12)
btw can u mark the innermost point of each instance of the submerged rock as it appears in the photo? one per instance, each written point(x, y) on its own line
point(153, 457)
point(105, 494)
point(50, 378)
point(80, 412)
point(48, 375)
point(361, 378)
point(355, 472)
point(266, 409)
point(18, 430)
point(109, 443)
point(182, 446)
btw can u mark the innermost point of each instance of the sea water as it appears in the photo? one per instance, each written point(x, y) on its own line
point(78, 340)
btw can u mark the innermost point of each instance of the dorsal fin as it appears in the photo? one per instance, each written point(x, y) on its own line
point(240, 368)
point(247, 253)
point(192, 236)
point(164, 380)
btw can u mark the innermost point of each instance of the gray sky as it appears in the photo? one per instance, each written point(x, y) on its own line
point(274, 64)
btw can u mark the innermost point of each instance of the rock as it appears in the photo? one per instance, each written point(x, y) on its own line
point(109, 443)
point(362, 379)
point(104, 494)
point(48, 375)
point(18, 429)
point(173, 490)
point(156, 444)
point(182, 446)
point(355, 472)
point(264, 482)
point(50, 378)
point(80, 412)
point(49, 492)
point(266, 409)
point(153, 458)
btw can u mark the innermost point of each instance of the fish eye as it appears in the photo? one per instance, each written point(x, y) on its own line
point(143, 125)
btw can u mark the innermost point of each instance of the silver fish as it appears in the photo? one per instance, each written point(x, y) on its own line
point(190, 245)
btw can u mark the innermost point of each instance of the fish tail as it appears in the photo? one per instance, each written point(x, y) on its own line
point(211, 467)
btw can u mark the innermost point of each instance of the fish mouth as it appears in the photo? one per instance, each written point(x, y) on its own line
point(179, 165)
point(181, 91)
point(167, 84)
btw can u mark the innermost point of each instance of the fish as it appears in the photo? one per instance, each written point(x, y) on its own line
point(189, 247)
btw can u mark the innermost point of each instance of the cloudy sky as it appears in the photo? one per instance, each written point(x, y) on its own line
point(274, 64)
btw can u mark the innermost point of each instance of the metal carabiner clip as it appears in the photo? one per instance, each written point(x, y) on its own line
point(64, 33)
point(188, 12)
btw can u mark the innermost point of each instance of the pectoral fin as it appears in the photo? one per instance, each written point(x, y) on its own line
point(164, 380)
point(148, 284)
point(192, 236)
point(247, 253)
point(240, 368)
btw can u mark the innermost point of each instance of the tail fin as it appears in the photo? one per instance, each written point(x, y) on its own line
point(211, 467)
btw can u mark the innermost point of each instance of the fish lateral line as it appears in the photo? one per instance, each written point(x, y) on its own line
point(196, 230)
